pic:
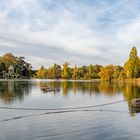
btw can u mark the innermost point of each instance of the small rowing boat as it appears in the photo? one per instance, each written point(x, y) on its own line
point(135, 102)
point(49, 89)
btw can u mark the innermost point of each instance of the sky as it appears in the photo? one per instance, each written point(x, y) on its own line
point(80, 32)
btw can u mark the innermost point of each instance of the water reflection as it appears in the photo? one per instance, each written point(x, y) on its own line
point(107, 88)
point(130, 91)
point(11, 91)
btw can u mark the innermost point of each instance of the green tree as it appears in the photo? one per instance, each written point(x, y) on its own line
point(122, 75)
point(75, 73)
point(132, 66)
point(23, 68)
point(118, 72)
point(54, 71)
point(65, 71)
point(2, 67)
point(82, 72)
point(96, 70)
point(89, 74)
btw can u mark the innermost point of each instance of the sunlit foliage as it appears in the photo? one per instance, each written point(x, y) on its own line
point(21, 67)
point(132, 66)
point(131, 69)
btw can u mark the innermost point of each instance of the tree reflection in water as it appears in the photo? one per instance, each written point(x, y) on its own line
point(11, 91)
point(132, 91)
point(14, 90)
point(84, 87)
point(129, 90)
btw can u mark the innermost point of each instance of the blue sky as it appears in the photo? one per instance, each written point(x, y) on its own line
point(80, 32)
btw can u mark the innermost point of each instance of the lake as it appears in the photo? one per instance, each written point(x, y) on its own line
point(75, 110)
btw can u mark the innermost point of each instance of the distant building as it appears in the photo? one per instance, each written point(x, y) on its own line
point(11, 70)
point(11, 74)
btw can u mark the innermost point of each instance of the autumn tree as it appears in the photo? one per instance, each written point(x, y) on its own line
point(8, 59)
point(89, 74)
point(21, 67)
point(82, 72)
point(42, 73)
point(118, 71)
point(75, 73)
point(96, 70)
point(132, 66)
point(56, 71)
point(65, 71)
point(107, 73)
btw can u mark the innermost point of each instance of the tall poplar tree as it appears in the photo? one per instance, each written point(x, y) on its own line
point(132, 66)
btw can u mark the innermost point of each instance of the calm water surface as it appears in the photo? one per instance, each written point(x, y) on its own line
point(114, 121)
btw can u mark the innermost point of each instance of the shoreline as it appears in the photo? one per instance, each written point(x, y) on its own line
point(58, 80)
point(134, 80)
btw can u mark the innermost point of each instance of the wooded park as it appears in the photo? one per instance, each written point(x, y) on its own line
point(13, 67)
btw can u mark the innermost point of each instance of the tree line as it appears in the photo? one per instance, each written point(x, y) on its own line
point(130, 69)
point(67, 72)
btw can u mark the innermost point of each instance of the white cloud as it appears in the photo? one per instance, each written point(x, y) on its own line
point(52, 31)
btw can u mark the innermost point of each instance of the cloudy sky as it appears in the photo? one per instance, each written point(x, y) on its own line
point(77, 31)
